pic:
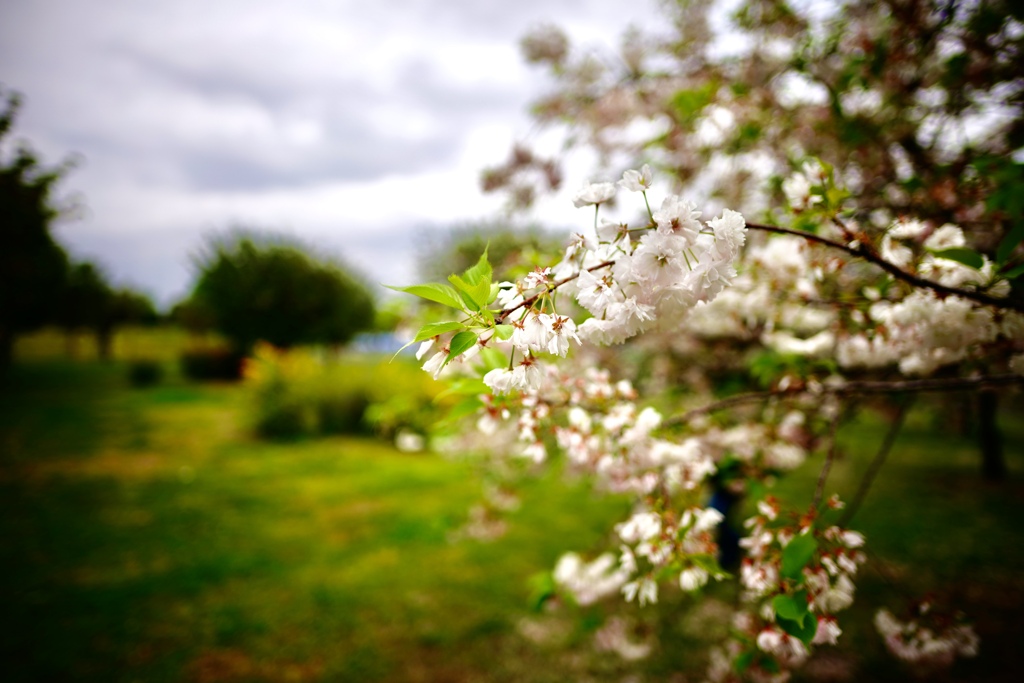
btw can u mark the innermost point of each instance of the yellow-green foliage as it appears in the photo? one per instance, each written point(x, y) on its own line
point(301, 392)
point(162, 343)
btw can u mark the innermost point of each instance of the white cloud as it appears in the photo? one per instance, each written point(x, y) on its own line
point(350, 122)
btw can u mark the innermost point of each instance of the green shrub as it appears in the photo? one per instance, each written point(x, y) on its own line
point(145, 373)
point(343, 412)
point(254, 286)
point(297, 393)
point(402, 412)
point(284, 421)
point(205, 365)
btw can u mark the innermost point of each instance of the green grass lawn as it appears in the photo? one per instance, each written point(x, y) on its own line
point(145, 536)
point(130, 342)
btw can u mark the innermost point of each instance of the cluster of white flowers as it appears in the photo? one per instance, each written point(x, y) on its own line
point(777, 299)
point(924, 331)
point(805, 585)
point(926, 648)
point(606, 435)
point(588, 582)
point(798, 188)
point(760, 447)
point(614, 636)
point(654, 541)
point(676, 263)
point(921, 334)
point(625, 285)
point(791, 296)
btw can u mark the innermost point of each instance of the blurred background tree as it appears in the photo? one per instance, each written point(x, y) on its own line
point(510, 248)
point(916, 103)
point(33, 267)
point(83, 301)
point(124, 307)
point(254, 287)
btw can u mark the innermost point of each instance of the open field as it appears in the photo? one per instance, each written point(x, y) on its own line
point(147, 537)
point(163, 343)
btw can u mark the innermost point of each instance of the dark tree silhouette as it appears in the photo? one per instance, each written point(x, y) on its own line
point(266, 288)
point(33, 267)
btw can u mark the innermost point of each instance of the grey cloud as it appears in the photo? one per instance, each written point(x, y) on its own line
point(494, 19)
point(155, 262)
point(355, 146)
point(107, 78)
point(349, 156)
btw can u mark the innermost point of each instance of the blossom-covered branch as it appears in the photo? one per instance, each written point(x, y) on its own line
point(529, 302)
point(862, 249)
point(523, 354)
point(877, 461)
point(854, 388)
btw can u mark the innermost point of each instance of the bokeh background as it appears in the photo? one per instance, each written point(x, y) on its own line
point(356, 125)
point(181, 500)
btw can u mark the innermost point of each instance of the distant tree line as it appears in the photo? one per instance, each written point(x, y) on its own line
point(249, 286)
point(254, 286)
point(39, 283)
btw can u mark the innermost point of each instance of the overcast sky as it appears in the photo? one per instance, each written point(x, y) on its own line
point(354, 125)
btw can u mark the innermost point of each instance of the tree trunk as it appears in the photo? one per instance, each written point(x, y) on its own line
point(993, 464)
point(104, 343)
point(6, 352)
point(71, 344)
point(727, 503)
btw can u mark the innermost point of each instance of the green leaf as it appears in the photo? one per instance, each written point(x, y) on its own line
point(688, 104)
point(460, 343)
point(792, 607)
point(475, 295)
point(476, 281)
point(464, 386)
point(1014, 273)
point(743, 661)
point(834, 196)
point(1009, 243)
point(804, 631)
point(479, 272)
point(431, 330)
point(467, 406)
point(797, 554)
point(708, 563)
point(503, 332)
point(968, 257)
point(493, 359)
point(442, 294)
point(542, 587)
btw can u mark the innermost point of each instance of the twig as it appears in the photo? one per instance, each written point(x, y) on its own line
point(876, 464)
point(923, 385)
point(854, 388)
point(879, 566)
point(867, 253)
point(529, 302)
point(736, 399)
point(829, 459)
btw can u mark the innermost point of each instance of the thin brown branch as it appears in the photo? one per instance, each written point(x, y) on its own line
point(923, 385)
point(877, 462)
point(854, 388)
point(553, 286)
point(867, 253)
point(830, 457)
point(736, 399)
